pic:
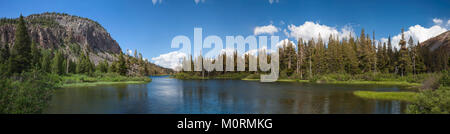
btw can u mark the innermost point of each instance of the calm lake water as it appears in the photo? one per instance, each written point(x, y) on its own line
point(167, 95)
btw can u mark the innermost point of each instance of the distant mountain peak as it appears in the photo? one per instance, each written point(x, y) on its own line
point(442, 41)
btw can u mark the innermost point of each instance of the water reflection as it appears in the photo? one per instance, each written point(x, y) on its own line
point(166, 95)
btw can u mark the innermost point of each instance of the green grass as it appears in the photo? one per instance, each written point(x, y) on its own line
point(86, 84)
point(197, 76)
point(403, 83)
point(279, 80)
point(79, 80)
point(409, 81)
point(248, 79)
point(401, 96)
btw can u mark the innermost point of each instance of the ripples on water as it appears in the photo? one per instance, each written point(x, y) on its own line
point(167, 95)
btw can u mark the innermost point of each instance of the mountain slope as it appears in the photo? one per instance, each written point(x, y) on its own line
point(72, 35)
point(441, 41)
point(437, 52)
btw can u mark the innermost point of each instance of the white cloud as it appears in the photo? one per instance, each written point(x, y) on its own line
point(418, 33)
point(286, 33)
point(156, 2)
point(437, 21)
point(285, 42)
point(269, 29)
point(170, 60)
point(448, 23)
point(130, 52)
point(310, 30)
point(198, 1)
point(273, 1)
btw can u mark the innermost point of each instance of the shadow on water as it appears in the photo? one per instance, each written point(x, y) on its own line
point(167, 95)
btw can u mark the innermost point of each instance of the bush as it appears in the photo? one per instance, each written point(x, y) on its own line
point(431, 102)
point(27, 93)
point(445, 79)
point(431, 82)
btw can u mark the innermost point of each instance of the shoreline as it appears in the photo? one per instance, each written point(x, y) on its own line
point(356, 82)
point(89, 84)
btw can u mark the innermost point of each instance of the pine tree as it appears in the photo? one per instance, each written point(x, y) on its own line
point(36, 55)
point(4, 59)
point(420, 66)
point(319, 59)
point(45, 61)
point(300, 57)
point(412, 54)
point(404, 61)
point(4, 53)
point(72, 66)
point(84, 65)
point(350, 59)
point(21, 50)
point(382, 58)
point(121, 66)
point(113, 68)
point(103, 66)
point(363, 50)
point(57, 63)
point(390, 56)
point(310, 55)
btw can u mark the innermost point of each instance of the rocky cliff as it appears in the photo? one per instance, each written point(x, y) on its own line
point(73, 35)
point(441, 42)
point(68, 33)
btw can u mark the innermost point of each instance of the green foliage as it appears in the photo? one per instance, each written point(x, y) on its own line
point(121, 65)
point(44, 22)
point(84, 65)
point(431, 102)
point(21, 51)
point(57, 63)
point(103, 67)
point(46, 61)
point(35, 54)
point(402, 96)
point(29, 75)
point(5, 21)
point(28, 94)
point(4, 53)
point(445, 79)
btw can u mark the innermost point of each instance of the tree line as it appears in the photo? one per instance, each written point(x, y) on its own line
point(352, 55)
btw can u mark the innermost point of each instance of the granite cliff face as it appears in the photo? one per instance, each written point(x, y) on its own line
point(440, 42)
point(72, 35)
point(68, 33)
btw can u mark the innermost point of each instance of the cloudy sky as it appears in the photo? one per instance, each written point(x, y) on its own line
point(150, 25)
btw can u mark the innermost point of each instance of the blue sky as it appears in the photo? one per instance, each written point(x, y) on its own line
point(150, 25)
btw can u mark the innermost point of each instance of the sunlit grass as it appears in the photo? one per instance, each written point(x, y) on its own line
point(403, 83)
point(401, 96)
point(87, 84)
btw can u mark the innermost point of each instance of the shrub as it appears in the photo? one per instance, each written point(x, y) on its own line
point(27, 93)
point(431, 82)
point(445, 79)
point(431, 102)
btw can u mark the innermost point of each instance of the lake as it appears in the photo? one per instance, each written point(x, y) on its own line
point(166, 95)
